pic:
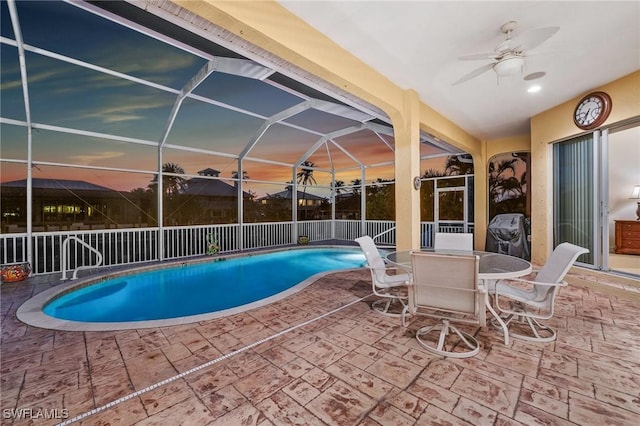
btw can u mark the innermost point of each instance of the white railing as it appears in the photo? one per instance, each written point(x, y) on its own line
point(186, 241)
point(266, 234)
point(63, 262)
point(13, 248)
point(385, 229)
point(348, 229)
point(316, 230)
point(139, 245)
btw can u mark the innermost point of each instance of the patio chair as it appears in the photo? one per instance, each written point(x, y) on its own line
point(388, 282)
point(453, 241)
point(446, 286)
point(534, 300)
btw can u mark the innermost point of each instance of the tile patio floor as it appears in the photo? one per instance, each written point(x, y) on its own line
point(349, 367)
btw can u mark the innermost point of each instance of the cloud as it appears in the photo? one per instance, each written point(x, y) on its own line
point(96, 157)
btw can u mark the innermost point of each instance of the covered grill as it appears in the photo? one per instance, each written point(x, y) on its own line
point(507, 234)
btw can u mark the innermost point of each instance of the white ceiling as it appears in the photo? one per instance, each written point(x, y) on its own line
point(416, 44)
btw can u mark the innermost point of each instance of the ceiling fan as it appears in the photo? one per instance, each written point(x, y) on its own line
point(509, 56)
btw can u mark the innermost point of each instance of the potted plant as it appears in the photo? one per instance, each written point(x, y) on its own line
point(212, 245)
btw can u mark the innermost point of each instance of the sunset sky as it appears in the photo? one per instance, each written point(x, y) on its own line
point(71, 96)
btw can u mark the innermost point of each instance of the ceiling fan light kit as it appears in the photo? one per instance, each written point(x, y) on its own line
point(509, 56)
point(509, 66)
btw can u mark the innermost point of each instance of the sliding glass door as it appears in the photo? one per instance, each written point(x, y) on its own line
point(576, 195)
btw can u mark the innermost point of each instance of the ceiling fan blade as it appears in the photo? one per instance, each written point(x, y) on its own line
point(476, 56)
point(473, 74)
point(532, 39)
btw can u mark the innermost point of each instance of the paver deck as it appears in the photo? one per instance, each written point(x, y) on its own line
point(323, 357)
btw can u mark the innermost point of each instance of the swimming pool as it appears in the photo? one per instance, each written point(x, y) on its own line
point(189, 290)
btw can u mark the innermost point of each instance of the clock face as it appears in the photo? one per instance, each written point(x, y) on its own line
point(589, 110)
point(592, 110)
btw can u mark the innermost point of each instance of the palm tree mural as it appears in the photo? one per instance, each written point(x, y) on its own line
point(305, 177)
point(501, 185)
point(507, 191)
point(431, 173)
point(459, 165)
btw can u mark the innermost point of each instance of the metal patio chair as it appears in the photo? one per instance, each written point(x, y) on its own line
point(446, 286)
point(533, 300)
point(453, 241)
point(388, 282)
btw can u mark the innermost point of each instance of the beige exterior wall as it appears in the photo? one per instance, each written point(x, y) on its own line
point(557, 124)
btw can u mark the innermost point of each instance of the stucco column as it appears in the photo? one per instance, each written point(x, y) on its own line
point(406, 128)
point(480, 196)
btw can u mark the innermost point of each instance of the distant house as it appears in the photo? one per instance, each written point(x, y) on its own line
point(210, 200)
point(279, 204)
point(60, 203)
point(347, 206)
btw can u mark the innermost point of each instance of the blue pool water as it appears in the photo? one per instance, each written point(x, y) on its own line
point(198, 288)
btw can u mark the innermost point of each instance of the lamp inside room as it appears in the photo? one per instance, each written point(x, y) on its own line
point(635, 195)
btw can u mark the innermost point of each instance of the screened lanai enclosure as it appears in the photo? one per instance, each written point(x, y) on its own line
point(137, 132)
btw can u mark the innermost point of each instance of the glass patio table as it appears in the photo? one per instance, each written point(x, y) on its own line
point(492, 266)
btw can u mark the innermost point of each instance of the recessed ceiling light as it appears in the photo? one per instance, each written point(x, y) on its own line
point(534, 75)
point(534, 89)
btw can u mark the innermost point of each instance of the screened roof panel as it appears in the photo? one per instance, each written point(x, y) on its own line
point(194, 162)
point(366, 146)
point(340, 159)
point(224, 115)
point(385, 173)
point(10, 172)
point(321, 158)
point(91, 151)
point(206, 126)
point(14, 142)
point(320, 178)
point(267, 172)
point(350, 178)
point(430, 150)
point(67, 95)
point(12, 100)
point(114, 180)
point(6, 29)
point(71, 31)
point(272, 145)
point(321, 121)
point(246, 93)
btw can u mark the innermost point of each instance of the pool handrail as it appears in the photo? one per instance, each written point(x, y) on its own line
point(63, 260)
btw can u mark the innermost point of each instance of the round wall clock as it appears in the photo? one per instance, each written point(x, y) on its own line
point(592, 110)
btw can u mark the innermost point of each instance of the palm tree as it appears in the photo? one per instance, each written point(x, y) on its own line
point(245, 175)
point(338, 186)
point(305, 177)
point(355, 186)
point(172, 185)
